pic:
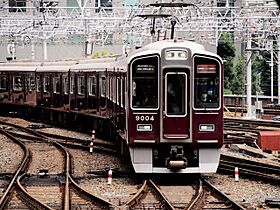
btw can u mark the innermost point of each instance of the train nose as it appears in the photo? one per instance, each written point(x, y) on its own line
point(176, 160)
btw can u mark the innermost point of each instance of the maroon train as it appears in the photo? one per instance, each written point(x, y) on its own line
point(165, 100)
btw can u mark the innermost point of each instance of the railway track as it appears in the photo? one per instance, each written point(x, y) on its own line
point(68, 182)
point(149, 197)
point(28, 199)
point(210, 197)
point(249, 168)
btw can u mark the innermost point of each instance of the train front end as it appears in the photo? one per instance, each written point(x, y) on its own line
point(175, 108)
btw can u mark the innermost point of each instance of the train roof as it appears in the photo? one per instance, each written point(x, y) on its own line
point(157, 47)
point(53, 68)
point(91, 66)
point(18, 68)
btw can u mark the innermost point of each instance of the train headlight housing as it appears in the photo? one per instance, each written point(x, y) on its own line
point(176, 55)
point(144, 127)
point(206, 127)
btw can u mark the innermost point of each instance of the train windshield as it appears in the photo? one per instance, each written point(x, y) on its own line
point(144, 83)
point(206, 83)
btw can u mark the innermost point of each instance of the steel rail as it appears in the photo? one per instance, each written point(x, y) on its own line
point(198, 196)
point(250, 173)
point(66, 200)
point(137, 196)
point(256, 168)
point(24, 128)
point(162, 197)
point(89, 196)
point(224, 196)
point(35, 203)
point(258, 122)
point(24, 163)
point(242, 160)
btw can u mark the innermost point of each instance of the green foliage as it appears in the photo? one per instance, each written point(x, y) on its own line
point(95, 54)
point(227, 92)
point(238, 80)
point(226, 50)
point(261, 67)
point(103, 52)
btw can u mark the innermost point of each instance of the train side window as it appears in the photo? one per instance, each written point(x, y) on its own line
point(103, 86)
point(56, 85)
point(81, 85)
point(31, 83)
point(113, 89)
point(65, 85)
point(38, 84)
point(92, 86)
point(206, 83)
point(71, 85)
point(17, 83)
point(46, 84)
point(3, 83)
point(110, 88)
point(119, 84)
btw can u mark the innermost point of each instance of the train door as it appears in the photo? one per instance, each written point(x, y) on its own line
point(176, 100)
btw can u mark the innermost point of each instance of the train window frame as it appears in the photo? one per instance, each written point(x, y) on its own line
point(220, 83)
point(65, 85)
point(56, 81)
point(103, 86)
point(124, 90)
point(46, 84)
point(119, 90)
point(81, 85)
point(166, 94)
point(132, 82)
point(92, 83)
point(114, 89)
point(38, 84)
point(72, 85)
point(31, 83)
point(3, 78)
point(17, 84)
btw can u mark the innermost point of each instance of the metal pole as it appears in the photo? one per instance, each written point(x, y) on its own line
point(249, 76)
point(32, 50)
point(278, 69)
point(45, 50)
point(271, 71)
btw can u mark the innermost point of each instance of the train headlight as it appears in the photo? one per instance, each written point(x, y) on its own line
point(206, 127)
point(144, 127)
point(176, 55)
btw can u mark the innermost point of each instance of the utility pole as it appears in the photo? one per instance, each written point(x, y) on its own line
point(271, 71)
point(45, 50)
point(249, 75)
point(278, 68)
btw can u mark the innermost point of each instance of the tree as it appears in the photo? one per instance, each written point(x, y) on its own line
point(226, 51)
point(238, 81)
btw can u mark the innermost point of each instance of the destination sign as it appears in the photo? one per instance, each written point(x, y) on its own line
point(145, 68)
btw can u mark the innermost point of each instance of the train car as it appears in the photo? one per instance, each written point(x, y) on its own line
point(174, 108)
point(17, 84)
point(165, 100)
point(85, 76)
point(52, 84)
